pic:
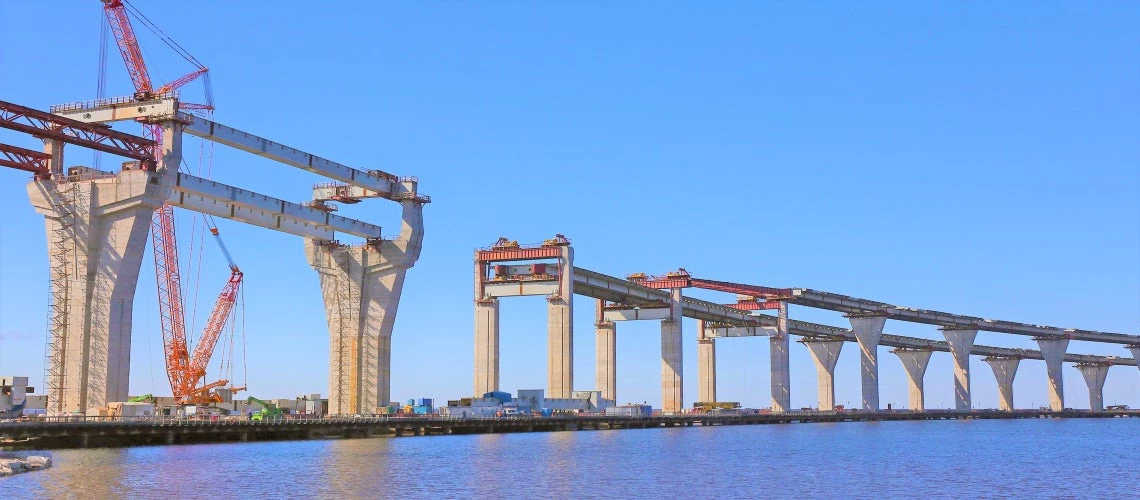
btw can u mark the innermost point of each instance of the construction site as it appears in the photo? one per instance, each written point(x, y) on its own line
point(98, 222)
point(100, 219)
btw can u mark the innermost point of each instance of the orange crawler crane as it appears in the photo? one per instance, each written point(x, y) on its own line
point(184, 371)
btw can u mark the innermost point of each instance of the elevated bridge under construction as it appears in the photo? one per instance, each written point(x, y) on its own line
point(508, 269)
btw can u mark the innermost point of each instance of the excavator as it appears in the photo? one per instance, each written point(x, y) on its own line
point(268, 411)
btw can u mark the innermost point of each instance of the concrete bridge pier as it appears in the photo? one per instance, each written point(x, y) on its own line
point(486, 346)
point(672, 372)
point(606, 355)
point(1053, 352)
point(97, 225)
point(706, 365)
point(1135, 349)
point(361, 287)
point(961, 342)
point(868, 329)
point(915, 362)
point(1005, 369)
point(560, 330)
point(780, 364)
point(1094, 374)
point(825, 353)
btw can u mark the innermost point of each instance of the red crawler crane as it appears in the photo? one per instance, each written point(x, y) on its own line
point(185, 372)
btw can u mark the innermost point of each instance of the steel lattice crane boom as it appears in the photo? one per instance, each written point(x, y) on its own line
point(185, 372)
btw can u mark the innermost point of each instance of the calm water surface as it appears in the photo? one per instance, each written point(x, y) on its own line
point(1003, 458)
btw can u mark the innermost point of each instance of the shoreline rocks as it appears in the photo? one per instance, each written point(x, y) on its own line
point(12, 466)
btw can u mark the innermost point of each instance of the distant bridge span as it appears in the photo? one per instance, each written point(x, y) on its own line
point(508, 269)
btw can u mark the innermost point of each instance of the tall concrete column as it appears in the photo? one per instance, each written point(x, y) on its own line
point(97, 234)
point(1135, 349)
point(1053, 352)
point(1094, 374)
point(1005, 369)
point(868, 329)
point(825, 353)
point(780, 364)
point(915, 361)
point(560, 330)
point(606, 349)
point(706, 365)
point(361, 287)
point(672, 373)
point(486, 346)
point(961, 342)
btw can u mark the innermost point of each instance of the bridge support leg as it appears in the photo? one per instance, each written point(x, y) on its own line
point(560, 347)
point(96, 233)
point(361, 286)
point(825, 353)
point(961, 342)
point(915, 362)
point(1053, 352)
point(1005, 369)
point(1094, 374)
point(486, 346)
point(606, 356)
point(868, 330)
point(672, 373)
point(560, 330)
point(780, 364)
point(1135, 349)
point(706, 366)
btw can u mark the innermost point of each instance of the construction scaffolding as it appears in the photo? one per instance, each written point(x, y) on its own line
point(70, 199)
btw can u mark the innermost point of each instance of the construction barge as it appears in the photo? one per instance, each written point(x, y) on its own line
point(81, 432)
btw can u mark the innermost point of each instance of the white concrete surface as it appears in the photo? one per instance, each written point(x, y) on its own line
point(961, 342)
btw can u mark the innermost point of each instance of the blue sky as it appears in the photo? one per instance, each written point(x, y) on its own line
point(968, 157)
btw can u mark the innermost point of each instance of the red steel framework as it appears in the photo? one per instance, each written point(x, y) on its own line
point(26, 159)
point(98, 137)
point(681, 278)
point(508, 250)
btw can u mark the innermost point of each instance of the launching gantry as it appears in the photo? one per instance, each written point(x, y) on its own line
point(98, 221)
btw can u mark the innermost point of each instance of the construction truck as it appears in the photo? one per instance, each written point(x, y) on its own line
point(268, 411)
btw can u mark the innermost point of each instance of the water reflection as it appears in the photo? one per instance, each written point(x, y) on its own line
point(904, 459)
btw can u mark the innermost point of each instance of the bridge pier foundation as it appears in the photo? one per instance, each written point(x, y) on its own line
point(606, 355)
point(706, 365)
point(1005, 369)
point(672, 373)
point(1094, 375)
point(915, 362)
point(825, 353)
point(961, 342)
point(868, 329)
point(1053, 352)
point(780, 363)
